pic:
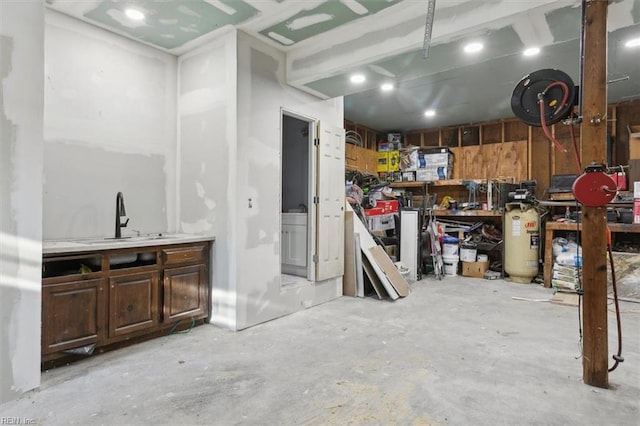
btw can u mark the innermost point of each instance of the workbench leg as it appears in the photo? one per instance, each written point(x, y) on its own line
point(548, 257)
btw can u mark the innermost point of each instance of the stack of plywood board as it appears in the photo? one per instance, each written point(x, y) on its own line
point(365, 261)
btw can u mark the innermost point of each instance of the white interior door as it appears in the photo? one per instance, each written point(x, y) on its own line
point(330, 203)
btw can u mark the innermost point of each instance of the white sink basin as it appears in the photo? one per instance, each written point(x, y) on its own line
point(111, 240)
point(121, 259)
point(106, 240)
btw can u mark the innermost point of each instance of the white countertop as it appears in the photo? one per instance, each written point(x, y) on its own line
point(98, 244)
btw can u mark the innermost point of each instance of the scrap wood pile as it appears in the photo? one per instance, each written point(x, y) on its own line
point(367, 265)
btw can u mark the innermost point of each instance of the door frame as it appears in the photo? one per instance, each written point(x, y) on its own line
point(312, 189)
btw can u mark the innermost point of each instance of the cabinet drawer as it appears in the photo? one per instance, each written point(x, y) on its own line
point(172, 256)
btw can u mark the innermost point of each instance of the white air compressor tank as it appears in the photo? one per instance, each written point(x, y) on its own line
point(521, 242)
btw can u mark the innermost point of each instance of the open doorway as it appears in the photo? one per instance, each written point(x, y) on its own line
point(298, 134)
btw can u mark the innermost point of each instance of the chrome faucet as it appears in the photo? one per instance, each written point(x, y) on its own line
point(120, 212)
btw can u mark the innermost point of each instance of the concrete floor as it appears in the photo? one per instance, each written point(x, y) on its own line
point(457, 351)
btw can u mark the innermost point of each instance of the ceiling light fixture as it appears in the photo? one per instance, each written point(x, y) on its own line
point(430, 113)
point(358, 78)
point(386, 87)
point(532, 51)
point(134, 14)
point(428, 28)
point(473, 47)
point(634, 42)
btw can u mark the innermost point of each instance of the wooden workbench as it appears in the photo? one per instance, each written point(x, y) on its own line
point(551, 227)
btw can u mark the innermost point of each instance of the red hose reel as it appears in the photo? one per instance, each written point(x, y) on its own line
point(594, 188)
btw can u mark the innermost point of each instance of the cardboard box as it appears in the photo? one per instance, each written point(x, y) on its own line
point(408, 176)
point(474, 269)
point(429, 175)
point(397, 176)
point(394, 161)
point(636, 211)
point(375, 211)
point(382, 222)
point(387, 206)
point(383, 162)
point(394, 137)
point(385, 146)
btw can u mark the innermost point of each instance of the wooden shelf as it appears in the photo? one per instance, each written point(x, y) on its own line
point(467, 213)
point(411, 184)
point(447, 182)
point(550, 227)
point(458, 182)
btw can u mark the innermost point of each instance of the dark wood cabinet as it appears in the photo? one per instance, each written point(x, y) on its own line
point(185, 292)
point(133, 303)
point(98, 298)
point(73, 314)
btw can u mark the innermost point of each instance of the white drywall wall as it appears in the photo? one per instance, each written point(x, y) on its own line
point(207, 162)
point(109, 126)
point(261, 95)
point(21, 105)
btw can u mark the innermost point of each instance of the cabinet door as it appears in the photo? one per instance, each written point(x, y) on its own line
point(133, 302)
point(295, 246)
point(185, 293)
point(73, 315)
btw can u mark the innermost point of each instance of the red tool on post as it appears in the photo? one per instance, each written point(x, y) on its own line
point(595, 188)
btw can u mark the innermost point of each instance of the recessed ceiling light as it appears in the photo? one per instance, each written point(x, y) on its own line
point(634, 42)
point(532, 51)
point(358, 78)
point(430, 113)
point(134, 14)
point(386, 87)
point(473, 47)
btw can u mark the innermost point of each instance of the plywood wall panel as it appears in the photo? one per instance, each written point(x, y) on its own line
point(351, 155)
point(458, 163)
point(473, 162)
point(512, 160)
point(492, 133)
point(515, 131)
point(540, 161)
point(626, 114)
point(565, 162)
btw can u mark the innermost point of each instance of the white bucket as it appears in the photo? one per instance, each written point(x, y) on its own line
point(483, 258)
point(450, 265)
point(450, 247)
point(468, 253)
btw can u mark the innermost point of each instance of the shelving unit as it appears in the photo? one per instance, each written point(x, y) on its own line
point(471, 216)
point(552, 227)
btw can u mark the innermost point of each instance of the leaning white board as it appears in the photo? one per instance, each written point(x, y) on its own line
point(358, 258)
point(409, 241)
point(366, 242)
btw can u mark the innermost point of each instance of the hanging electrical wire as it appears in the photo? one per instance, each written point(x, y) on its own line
point(352, 137)
point(618, 356)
